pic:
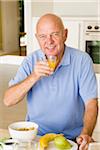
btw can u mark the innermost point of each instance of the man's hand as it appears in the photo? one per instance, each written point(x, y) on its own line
point(91, 111)
point(83, 141)
point(42, 69)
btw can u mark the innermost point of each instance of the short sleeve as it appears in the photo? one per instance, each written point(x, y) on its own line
point(23, 72)
point(87, 81)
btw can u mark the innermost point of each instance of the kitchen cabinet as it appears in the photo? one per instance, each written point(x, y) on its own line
point(98, 82)
point(35, 42)
point(74, 32)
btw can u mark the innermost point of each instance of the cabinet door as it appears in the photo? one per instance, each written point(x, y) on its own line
point(35, 42)
point(73, 38)
point(98, 82)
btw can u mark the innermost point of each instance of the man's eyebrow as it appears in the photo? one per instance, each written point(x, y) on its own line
point(50, 33)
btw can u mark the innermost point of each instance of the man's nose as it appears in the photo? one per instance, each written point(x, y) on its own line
point(50, 39)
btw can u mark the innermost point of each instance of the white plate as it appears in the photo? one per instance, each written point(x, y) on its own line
point(52, 146)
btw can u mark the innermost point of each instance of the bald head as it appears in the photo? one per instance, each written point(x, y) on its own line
point(49, 18)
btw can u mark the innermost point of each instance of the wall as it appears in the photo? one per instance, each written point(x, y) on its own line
point(10, 38)
point(0, 29)
point(40, 8)
point(70, 8)
point(77, 8)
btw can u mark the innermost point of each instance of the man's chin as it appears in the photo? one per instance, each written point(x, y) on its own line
point(50, 53)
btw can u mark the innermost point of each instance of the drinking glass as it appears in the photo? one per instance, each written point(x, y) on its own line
point(52, 61)
point(32, 145)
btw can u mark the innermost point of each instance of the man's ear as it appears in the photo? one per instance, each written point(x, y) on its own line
point(65, 34)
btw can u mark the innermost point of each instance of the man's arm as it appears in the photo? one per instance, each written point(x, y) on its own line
point(16, 93)
point(90, 118)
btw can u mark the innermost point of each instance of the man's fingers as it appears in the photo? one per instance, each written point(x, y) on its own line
point(83, 141)
point(42, 63)
point(44, 73)
point(83, 145)
point(79, 140)
point(42, 69)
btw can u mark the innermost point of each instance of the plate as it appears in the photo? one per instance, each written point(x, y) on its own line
point(51, 145)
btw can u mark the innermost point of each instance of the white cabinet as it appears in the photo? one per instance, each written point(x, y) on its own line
point(35, 42)
point(98, 81)
point(74, 32)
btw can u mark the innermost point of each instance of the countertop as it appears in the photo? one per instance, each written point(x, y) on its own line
point(11, 59)
point(4, 133)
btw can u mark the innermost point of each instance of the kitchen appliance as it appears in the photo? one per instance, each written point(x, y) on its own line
point(92, 42)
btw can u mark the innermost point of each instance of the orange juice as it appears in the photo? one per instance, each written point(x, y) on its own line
point(52, 64)
point(52, 61)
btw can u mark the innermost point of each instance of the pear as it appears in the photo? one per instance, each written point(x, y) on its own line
point(62, 143)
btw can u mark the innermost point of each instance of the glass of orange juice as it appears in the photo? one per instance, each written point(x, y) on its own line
point(52, 61)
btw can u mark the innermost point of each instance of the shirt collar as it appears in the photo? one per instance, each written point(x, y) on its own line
point(66, 59)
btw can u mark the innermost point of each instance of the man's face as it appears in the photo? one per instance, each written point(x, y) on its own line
point(51, 37)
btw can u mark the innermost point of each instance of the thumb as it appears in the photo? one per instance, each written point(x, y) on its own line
point(79, 140)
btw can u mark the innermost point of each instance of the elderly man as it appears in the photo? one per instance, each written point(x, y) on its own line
point(62, 99)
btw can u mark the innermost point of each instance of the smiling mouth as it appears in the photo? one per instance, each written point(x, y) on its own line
point(51, 48)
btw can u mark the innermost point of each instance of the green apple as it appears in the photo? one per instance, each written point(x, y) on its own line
point(62, 143)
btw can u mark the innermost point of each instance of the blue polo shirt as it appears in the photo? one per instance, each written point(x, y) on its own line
point(57, 102)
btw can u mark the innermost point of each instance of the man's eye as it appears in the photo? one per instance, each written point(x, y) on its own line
point(55, 34)
point(42, 36)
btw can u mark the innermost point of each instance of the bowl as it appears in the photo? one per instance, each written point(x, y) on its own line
point(23, 131)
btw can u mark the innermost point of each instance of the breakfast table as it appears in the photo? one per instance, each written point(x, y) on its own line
point(4, 134)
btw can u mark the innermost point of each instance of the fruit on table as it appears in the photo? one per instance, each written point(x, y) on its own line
point(45, 139)
point(62, 143)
